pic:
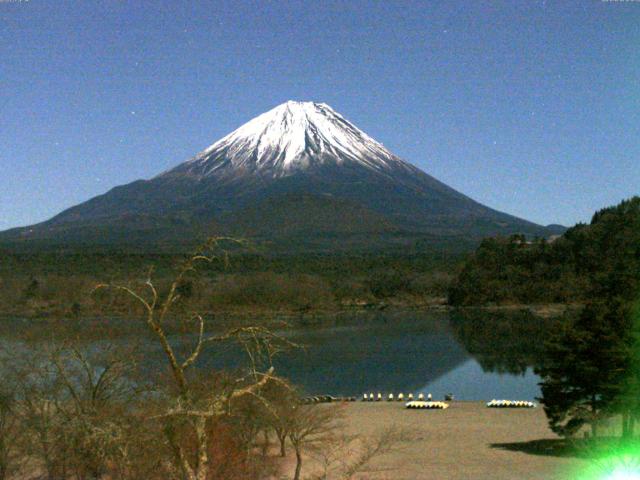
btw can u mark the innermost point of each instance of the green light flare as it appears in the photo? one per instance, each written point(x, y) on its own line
point(623, 468)
point(621, 465)
point(624, 474)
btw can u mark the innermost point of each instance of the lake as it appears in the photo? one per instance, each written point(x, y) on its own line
point(475, 357)
point(472, 355)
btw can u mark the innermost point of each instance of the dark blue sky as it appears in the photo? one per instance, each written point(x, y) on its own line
point(531, 107)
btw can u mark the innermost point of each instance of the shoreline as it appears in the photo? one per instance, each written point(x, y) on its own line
point(307, 316)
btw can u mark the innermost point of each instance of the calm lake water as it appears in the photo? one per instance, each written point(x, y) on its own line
point(474, 356)
point(480, 357)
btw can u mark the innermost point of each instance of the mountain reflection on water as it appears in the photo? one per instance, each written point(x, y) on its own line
point(475, 355)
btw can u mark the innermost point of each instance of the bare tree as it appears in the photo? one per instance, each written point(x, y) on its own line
point(71, 405)
point(344, 456)
point(310, 426)
point(283, 400)
point(42, 440)
point(189, 412)
point(94, 405)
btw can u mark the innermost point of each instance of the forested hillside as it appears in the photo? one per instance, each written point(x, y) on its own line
point(513, 270)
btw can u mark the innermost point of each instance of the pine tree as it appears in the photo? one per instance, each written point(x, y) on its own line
point(592, 367)
point(584, 371)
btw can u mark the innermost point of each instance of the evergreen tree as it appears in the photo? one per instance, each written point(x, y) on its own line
point(583, 372)
point(592, 367)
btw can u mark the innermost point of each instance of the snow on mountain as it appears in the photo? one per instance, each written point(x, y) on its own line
point(298, 171)
point(290, 137)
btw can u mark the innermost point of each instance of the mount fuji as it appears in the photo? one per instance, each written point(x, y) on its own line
point(298, 174)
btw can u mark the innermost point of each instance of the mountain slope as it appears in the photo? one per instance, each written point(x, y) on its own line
point(298, 169)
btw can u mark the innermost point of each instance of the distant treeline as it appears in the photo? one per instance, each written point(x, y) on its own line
point(61, 283)
point(513, 270)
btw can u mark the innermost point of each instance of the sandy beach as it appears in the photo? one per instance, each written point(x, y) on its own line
point(466, 441)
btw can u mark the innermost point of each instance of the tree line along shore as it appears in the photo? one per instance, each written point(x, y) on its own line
point(61, 284)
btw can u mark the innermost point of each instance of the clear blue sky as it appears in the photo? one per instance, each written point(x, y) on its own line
point(531, 107)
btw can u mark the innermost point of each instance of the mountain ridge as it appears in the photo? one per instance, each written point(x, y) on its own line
point(295, 150)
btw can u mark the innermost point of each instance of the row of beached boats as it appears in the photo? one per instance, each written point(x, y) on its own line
point(370, 397)
point(417, 404)
point(326, 399)
point(492, 404)
point(421, 402)
point(510, 404)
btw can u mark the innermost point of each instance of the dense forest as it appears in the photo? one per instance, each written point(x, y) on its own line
point(515, 270)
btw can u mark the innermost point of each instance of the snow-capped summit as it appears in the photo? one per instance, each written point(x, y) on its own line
point(299, 174)
point(291, 136)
